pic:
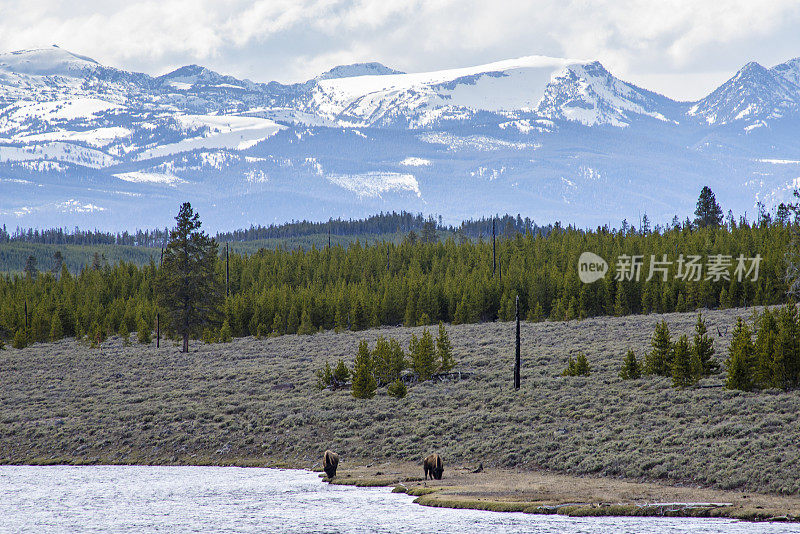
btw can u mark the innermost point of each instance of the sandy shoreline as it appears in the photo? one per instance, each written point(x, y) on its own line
point(507, 490)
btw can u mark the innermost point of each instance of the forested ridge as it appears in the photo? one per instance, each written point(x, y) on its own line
point(281, 291)
point(379, 224)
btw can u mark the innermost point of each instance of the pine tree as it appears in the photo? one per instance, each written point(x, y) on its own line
point(143, 331)
point(31, 271)
point(364, 384)
point(631, 370)
point(225, 334)
point(423, 355)
point(358, 316)
point(571, 369)
point(682, 372)
point(703, 349)
point(385, 361)
point(577, 367)
point(741, 358)
point(536, 314)
point(277, 325)
point(325, 376)
point(56, 329)
point(786, 358)
point(444, 350)
point(20, 339)
point(341, 374)
point(186, 285)
point(621, 301)
point(124, 333)
point(582, 366)
point(659, 360)
point(293, 319)
point(708, 213)
point(306, 327)
point(766, 336)
point(58, 263)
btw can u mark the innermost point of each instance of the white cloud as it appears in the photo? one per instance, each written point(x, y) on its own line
point(292, 40)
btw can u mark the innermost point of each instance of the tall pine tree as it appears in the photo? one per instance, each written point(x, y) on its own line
point(364, 384)
point(186, 285)
point(659, 360)
point(708, 213)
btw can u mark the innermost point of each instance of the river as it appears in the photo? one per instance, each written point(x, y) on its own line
point(230, 499)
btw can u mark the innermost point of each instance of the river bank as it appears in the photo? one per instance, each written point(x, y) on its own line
point(504, 490)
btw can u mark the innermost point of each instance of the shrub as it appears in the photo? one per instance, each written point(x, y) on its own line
point(631, 369)
point(397, 389)
point(578, 367)
point(364, 384)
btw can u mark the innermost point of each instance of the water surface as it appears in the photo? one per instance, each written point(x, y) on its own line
point(230, 499)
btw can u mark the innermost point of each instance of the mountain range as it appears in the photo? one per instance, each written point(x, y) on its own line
point(553, 139)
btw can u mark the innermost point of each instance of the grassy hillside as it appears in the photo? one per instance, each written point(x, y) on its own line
point(251, 400)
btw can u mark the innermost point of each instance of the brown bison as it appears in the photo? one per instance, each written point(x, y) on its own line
point(330, 461)
point(433, 465)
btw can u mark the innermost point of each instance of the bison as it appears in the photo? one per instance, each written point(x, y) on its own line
point(330, 461)
point(433, 466)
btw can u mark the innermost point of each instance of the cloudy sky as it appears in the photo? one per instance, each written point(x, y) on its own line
point(680, 48)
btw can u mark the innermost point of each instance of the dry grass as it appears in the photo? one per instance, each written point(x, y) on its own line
point(253, 402)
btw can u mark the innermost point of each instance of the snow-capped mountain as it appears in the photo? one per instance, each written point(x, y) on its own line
point(556, 139)
point(357, 69)
point(754, 94)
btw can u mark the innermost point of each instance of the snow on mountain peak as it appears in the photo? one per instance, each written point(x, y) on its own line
point(357, 69)
point(753, 93)
point(418, 99)
point(790, 70)
point(589, 94)
point(51, 61)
